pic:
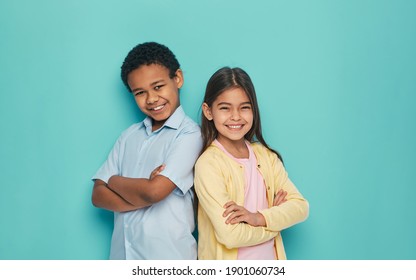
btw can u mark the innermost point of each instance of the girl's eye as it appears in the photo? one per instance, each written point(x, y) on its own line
point(223, 108)
point(246, 108)
point(139, 92)
point(158, 87)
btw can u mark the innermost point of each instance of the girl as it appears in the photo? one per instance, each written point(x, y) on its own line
point(245, 196)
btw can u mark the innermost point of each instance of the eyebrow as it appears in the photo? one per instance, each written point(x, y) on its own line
point(152, 84)
point(227, 103)
point(156, 82)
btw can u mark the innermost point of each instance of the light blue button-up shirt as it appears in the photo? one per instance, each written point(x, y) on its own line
point(162, 230)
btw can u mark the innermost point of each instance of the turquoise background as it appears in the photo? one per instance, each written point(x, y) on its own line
point(336, 83)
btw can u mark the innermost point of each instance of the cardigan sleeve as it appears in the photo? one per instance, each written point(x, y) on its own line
point(211, 189)
point(291, 212)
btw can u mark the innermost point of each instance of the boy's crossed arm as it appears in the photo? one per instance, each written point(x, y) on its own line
point(103, 197)
point(141, 192)
point(123, 194)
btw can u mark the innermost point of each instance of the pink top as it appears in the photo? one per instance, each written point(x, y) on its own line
point(254, 199)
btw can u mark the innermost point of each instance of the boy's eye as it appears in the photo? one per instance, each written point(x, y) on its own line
point(138, 93)
point(158, 87)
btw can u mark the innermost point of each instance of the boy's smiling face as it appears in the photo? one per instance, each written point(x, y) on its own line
point(156, 94)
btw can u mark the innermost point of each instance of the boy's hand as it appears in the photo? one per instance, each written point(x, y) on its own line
point(279, 197)
point(238, 214)
point(156, 171)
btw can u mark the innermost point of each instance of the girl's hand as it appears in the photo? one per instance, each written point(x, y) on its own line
point(237, 214)
point(156, 171)
point(279, 197)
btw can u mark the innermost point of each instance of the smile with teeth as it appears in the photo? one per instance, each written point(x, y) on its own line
point(158, 108)
point(235, 126)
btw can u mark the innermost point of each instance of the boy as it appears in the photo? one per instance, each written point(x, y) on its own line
point(147, 178)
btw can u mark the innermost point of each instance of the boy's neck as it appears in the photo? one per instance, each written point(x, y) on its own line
point(158, 124)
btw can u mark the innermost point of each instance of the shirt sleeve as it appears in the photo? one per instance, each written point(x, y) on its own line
point(291, 212)
point(211, 190)
point(111, 166)
point(181, 158)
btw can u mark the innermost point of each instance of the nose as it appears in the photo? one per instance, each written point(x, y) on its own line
point(235, 115)
point(152, 97)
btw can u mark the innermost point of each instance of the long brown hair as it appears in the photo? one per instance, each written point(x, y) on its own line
point(224, 79)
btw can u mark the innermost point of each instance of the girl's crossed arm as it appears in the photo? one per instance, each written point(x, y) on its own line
point(213, 195)
point(238, 214)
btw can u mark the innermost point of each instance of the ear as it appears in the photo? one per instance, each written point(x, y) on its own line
point(178, 78)
point(207, 111)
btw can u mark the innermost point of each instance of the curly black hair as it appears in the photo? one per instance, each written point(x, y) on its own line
point(146, 54)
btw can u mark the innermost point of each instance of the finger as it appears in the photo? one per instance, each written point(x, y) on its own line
point(234, 221)
point(279, 192)
point(280, 198)
point(276, 197)
point(239, 219)
point(228, 204)
point(277, 200)
point(157, 170)
point(160, 168)
point(230, 209)
point(233, 218)
point(240, 214)
point(283, 198)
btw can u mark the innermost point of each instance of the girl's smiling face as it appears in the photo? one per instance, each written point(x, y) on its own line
point(232, 115)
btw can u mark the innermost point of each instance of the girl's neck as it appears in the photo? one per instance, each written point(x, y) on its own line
point(237, 148)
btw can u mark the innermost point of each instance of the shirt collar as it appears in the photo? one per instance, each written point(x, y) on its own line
point(174, 121)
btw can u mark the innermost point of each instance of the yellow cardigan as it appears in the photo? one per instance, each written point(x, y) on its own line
point(219, 179)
